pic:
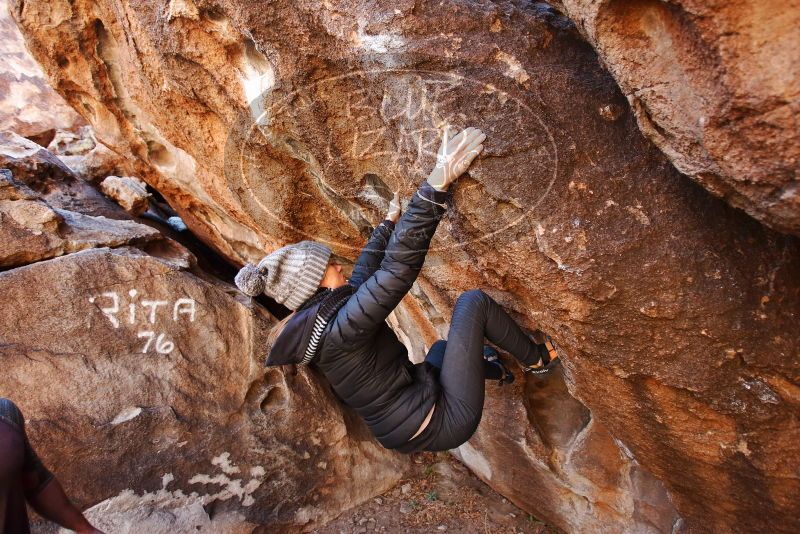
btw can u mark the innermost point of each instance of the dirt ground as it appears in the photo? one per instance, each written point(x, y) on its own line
point(440, 495)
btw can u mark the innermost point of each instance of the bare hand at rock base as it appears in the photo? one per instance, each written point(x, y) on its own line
point(455, 155)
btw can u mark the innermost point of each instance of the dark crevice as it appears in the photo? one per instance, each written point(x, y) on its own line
point(208, 260)
point(42, 138)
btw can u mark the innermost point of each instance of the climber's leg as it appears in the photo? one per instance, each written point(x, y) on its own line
point(436, 353)
point(491, 370)
point(12, 457)
point(476, 314)
point(459, 409)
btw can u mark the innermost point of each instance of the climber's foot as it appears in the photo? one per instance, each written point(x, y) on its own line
point(491, 356)
point(547, 362)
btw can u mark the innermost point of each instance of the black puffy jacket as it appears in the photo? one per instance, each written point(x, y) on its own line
point(360, 355)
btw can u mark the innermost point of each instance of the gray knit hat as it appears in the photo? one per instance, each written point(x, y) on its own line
point(290, 275)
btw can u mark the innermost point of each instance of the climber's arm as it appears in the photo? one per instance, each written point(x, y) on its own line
point(372, 254)
point(358, 320)
point(405, 253)
point(42, 491)
point(52, 503)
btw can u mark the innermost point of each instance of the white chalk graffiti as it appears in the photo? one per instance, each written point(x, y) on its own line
point(162, 346)
point(182, 308)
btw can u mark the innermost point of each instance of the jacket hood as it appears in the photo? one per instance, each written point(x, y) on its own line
point(290, 347)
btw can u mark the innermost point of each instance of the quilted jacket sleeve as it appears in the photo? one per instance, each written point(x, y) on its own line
point(362, 315)
point(372, 254)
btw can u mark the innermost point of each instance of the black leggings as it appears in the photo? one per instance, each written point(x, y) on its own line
point(435, 357)
point(463, 370)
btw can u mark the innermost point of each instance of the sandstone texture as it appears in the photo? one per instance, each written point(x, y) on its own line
point(87, 157)
point(129, 192)
point(28, 104)
point(155, 395)
point(716, 86)
point(43, 172)
point(31, 108)
point(41, 224)
point(32, 230)
point(262, 124)
point(141, 375)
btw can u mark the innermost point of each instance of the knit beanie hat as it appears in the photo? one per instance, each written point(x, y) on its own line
point(290, 275)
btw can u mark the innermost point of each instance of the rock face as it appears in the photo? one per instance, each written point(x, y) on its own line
point(28, 105)
point(129, 192)
point(32, 230)
point(716, 86)
point(35, 229)
point(157, 408)
point(269, 123)
point(44, 173)
point(155, 389)
point(31, 108)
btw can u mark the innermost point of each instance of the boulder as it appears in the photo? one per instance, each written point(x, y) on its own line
point(28, 105)
point(157, 404)
point(129, 192)
point(41, 223)
point(51, 179)
point(86, 156)
point(264, 124)
point(31, 108)
point(32, 230)
point(716, 86)
point(158, 409)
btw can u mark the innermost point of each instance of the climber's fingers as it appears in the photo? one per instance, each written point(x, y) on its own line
point(456, 141)
point(394, 204)
point(473, 141)
point(447, 134)
point(459, 142)
point(464, 162)
point(457, 153)
point(468, 149)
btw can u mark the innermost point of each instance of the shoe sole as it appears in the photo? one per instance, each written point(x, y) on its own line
point(544, 370)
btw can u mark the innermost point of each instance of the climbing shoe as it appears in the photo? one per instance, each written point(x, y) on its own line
point(491, 356)
point(549, 359)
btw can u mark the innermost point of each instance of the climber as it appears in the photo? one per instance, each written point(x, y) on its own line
point(24, 478)
point(339, 325)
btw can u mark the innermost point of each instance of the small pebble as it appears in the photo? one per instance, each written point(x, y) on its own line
point(406, 508)
point(442, 527)
point(405, 488)
point(378, 500)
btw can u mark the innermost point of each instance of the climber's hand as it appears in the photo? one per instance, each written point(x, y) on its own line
point(394, 208)
point(455, 155)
